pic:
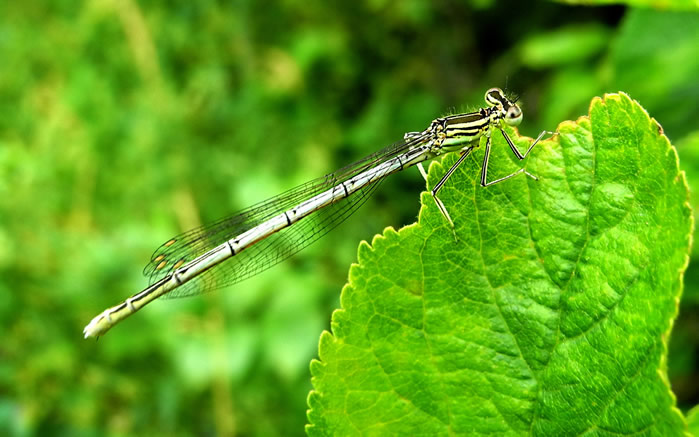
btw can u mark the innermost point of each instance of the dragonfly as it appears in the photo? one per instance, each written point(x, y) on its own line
point(244, 244)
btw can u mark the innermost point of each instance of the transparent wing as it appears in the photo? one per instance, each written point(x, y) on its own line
point(278, 246)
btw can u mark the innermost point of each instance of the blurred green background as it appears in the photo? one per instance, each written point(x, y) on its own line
point(124, 122)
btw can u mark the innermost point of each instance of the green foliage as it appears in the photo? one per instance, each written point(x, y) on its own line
point(642, 61)
point(550, 314)
point(688, 150)
point(658, 4)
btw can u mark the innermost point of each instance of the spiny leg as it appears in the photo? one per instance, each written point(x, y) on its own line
point(484, 168)
point(410, 135)
point(517, 153)
point(440, 184)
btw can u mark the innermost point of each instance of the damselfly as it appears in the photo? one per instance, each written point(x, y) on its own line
point(244, 244)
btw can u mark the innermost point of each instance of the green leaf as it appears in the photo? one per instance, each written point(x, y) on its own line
point(549, 316)
point(688, 149)
point(656, 4)
point(693, 420)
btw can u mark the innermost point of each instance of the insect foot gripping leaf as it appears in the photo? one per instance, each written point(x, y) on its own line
point(549, 316)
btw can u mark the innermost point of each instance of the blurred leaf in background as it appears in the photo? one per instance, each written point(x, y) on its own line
point(658, 4)
point(123, 123)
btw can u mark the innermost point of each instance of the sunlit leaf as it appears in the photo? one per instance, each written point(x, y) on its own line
point(549, 315)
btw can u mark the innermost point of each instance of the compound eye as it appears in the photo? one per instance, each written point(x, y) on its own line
point(513, 116)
